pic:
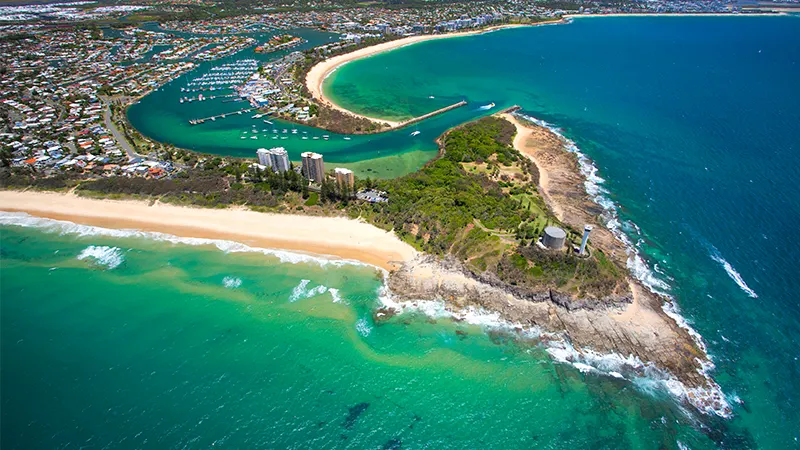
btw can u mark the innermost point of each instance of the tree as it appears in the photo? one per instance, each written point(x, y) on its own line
point(5, 157)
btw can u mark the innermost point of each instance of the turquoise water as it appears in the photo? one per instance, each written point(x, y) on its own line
point(693, 122)
point(151, 344)
point(162, 117)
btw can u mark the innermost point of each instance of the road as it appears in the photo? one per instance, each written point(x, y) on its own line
point(118, 136)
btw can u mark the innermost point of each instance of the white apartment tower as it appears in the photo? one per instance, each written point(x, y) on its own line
point(280, 159)
point(275, 158)
point(264, 157)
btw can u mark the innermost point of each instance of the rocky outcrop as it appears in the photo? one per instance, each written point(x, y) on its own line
point(632, 324)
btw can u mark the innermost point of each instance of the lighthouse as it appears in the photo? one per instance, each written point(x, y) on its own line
point(586, 230)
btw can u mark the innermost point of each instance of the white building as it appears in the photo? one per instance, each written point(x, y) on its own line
point(275, 158)
point(264, 157)
point(279, 159)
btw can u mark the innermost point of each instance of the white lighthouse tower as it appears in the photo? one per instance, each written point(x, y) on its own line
point(586, 230)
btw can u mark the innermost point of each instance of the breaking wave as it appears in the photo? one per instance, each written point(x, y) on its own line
point(301, 291)
point(363, 327)
point(63, 227)
point(231, 282)
point(337, 297)
point(110, 257)
point(716, 255)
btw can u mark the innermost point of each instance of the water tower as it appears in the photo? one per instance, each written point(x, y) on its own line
point(553, 238)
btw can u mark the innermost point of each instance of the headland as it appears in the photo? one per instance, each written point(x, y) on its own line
point(593, 311)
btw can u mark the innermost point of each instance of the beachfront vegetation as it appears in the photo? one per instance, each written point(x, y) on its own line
point(324, 116)
point(478, 202)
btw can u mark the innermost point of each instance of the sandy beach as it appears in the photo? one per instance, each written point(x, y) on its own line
point(573, 16)
point(562, 185)
point(330, 236)
point(319, 72)
point(633, 324)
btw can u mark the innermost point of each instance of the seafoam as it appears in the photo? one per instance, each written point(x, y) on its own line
point(103, 255)
point(63, 227)
point(475, 316)
point(650, 278)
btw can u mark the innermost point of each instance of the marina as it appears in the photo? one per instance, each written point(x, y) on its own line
point(225, 76)
point(201, 98)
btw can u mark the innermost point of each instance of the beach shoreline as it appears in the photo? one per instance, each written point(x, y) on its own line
point(319, 72)
point(633, 330)
point(650, 318)
point(575, 16)
point(322, 70)
point(327, 237)
point(633, 326)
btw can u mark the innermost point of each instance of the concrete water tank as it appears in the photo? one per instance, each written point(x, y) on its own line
point(553, 238)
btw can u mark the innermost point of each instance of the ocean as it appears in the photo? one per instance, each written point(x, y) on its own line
point(128, 340)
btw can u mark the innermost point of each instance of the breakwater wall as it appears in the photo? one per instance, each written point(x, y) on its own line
point(433, 113)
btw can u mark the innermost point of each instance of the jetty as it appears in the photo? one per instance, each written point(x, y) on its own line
point(510, 110)
point(433, 113)
point(219, 116)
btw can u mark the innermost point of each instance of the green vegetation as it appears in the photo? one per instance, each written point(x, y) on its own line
point(324, 116)
point(313, 199)
point(478, 202)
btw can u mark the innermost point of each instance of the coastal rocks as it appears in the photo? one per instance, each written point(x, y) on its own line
point(573, 304)
point(383, 314)
point(632, 325)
